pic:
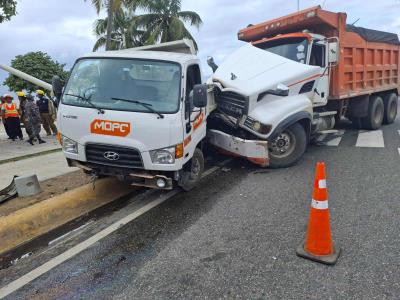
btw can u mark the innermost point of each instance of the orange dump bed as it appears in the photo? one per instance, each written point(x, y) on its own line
point(369, 59)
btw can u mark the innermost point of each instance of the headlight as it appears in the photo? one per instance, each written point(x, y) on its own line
point(69, 145)
point(164, 156)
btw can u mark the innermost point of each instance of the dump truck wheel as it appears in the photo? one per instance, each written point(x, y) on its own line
point(192, 171)
point(390, 104)
point(376, 111)
point(288, 147)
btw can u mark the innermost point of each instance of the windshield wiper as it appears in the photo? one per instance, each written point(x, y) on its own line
point(144, 104)
point(87, 99)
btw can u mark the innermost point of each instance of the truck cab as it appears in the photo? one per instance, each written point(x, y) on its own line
point(131, 114)
point(276, 89)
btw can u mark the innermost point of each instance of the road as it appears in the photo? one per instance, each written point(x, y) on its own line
point(235, 235)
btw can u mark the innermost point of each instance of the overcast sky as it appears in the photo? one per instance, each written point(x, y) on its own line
point(63, 28)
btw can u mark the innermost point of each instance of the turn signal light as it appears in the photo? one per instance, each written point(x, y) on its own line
point(179, 151)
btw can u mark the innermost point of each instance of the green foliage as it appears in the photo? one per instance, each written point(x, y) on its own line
point(36, 64)
point(8, 9)
point(163, 21)
point(124, 32)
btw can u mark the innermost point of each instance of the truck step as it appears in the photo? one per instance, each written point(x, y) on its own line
point(324, 114)
point(331, 131)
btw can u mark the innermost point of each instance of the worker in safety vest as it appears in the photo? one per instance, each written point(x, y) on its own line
point(22, 102)
point(10, 116)
point(2, 101)
point(47, 112)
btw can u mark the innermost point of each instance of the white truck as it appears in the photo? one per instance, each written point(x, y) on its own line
point(141, 115)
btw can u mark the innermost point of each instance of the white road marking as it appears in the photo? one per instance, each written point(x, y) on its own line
point(370, 139)
point(54, 262)
point(336, 141)
point(398, 150)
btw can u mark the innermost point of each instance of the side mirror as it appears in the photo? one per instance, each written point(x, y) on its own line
point(200, 95)
point(211, 63)
point(333, 52)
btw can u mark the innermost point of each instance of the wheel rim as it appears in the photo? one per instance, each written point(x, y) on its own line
point(283, 145)
point(378, 117)
point(392, 110)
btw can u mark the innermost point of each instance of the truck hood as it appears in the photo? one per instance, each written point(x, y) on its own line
point(251, 70)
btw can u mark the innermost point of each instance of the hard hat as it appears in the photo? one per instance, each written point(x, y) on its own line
point(21, 94)
point(5, 96)
point(40, 92)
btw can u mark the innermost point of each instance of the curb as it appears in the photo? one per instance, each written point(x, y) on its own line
point(28, 223)
point(22, 157)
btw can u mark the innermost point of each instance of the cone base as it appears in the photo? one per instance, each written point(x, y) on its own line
point(324, 259)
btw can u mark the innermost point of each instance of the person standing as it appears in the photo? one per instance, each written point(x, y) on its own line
point(47, 113)
point(10, 116)
point(33, 119)
point(22, 101)
point(2, 101)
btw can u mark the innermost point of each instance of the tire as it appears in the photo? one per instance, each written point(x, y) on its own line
point(288, 147)
point(390, 105)
point(375, 115)
point(192, 171)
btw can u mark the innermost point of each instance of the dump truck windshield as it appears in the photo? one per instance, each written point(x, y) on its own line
point(291, 48)
point(105, 80)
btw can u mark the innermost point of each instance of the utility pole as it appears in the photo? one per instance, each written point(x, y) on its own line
point(298, 5)
point(109, 23)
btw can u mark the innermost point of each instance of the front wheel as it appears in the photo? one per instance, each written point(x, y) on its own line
point(288, 147)
point(192, 171)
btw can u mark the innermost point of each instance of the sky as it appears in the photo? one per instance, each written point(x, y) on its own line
point(63, 28)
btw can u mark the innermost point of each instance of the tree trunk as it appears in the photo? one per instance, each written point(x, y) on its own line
point(109, 24)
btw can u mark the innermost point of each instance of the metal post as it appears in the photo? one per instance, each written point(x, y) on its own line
point(298, 5)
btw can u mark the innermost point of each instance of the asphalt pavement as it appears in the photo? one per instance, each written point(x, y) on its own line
point(235, 235)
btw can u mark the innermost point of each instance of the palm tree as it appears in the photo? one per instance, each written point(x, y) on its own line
point(113, 7)
point(164, 21)
point(124, 34)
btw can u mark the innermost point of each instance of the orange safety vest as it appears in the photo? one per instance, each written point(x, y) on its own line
point(10, 111)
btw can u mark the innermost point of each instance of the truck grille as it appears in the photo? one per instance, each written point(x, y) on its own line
point(233, 104)
point(249, 123)
point(125, 157)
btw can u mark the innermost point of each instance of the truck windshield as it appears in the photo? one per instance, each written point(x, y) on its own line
point(293, 48)
point(104, 81)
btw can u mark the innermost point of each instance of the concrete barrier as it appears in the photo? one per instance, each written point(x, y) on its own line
point(33, 221)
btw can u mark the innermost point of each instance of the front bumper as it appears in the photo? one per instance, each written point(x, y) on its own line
point(142, 178)
point(255, 151)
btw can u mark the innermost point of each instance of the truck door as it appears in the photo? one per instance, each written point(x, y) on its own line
point(318, 58)
point(194, 128)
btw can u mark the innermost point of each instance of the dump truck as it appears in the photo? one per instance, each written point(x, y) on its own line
point(299, 75)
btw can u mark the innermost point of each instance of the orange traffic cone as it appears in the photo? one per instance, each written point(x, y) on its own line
point(318, 245)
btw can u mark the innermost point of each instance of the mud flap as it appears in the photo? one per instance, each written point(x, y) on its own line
point(254, 150)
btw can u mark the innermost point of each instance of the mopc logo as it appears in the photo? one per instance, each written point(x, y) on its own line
point(108, 127)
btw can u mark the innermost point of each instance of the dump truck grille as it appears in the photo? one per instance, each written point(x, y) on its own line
point(114, 156)
point(232, 103)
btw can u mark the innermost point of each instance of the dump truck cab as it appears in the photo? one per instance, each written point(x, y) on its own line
point(310, 49)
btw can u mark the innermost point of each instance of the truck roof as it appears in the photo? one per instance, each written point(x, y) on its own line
point(177, 51)
point(142, 54)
